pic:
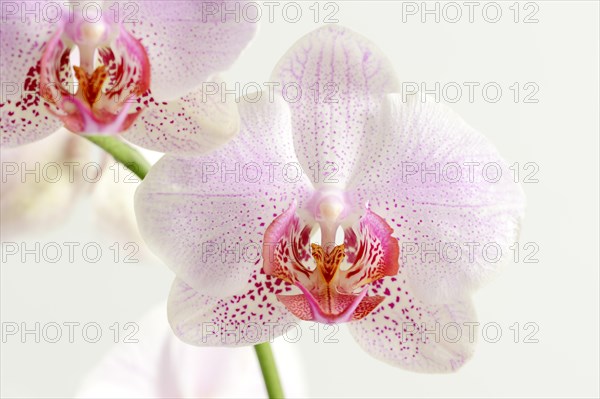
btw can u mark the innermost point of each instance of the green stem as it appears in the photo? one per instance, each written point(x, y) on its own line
point(123, 153)
point(134, 161)
point(269, 370)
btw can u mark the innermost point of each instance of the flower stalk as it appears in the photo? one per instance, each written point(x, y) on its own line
point(269, 370)
point(123, 153)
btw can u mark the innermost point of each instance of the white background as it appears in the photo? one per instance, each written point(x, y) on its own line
point(560, 293)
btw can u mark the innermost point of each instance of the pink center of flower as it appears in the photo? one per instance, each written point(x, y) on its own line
point(95, 96)
point(333, 279)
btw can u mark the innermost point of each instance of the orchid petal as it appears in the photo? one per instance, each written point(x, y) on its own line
point(23, 116)
point(341, 79)
point(413, 335)
point(205, 217)
point(249, 317)
point(193, 124)
point(469, 223)
point(188, 41)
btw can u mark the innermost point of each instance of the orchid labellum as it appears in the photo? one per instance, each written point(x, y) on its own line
point(133, 67)
point(307, 213)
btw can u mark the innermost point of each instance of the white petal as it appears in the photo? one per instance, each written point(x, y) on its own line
point(342, 78)
point(188, 41)
point(450, 232)
point(413, 335)
point(252, 316)
point(193, 124)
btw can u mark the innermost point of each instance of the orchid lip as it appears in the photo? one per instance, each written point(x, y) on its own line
point(94, 97)
point(326, 318)
point(330, 293)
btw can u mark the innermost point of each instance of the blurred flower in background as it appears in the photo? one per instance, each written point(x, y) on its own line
point(43, 182)
point(161, 366)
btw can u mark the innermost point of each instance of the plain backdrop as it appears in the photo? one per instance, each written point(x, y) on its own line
point(559, 133)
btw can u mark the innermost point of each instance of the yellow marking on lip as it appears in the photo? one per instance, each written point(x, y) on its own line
point(91, 85)
point(328, 262)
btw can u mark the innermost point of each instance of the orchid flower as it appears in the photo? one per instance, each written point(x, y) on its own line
point(137, 68)
point(159, 365)
point(303, 169)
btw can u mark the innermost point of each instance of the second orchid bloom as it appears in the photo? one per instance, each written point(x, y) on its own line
point(133, 68)
point(321, 189)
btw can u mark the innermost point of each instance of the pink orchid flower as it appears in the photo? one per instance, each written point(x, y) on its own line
point(133, 67)
point(336, 168)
